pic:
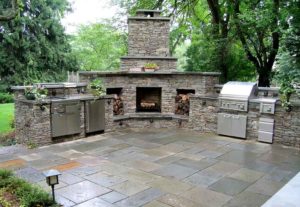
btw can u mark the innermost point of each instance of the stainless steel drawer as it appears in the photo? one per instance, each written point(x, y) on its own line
point(265, 137)
point(266, 130)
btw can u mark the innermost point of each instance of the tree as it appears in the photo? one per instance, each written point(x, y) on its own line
point(99, 46)
point(33, 46)
point(257, 26)
point(11, 13)
point(288, 69)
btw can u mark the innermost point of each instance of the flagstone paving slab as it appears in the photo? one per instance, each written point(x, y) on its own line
point(201, 180)
point(105, 179)
point(12, 164)
point(175, 171)
point(178, 201)
point(156, 204)
point(30, 174)
point(206, 197)
point(66, 166)
point(158, 167)
point(82, 191)
point(113, 197)
point(96, 202)
point(229, 186)
point(265, 187)
point(247, 175)
point(129, 188)
point(170, 185)
point(249, 199)
point(140, 198)
point(63, 201)
point(69, 178)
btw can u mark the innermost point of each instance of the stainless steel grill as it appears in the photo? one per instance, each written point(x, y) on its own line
point(234, 96)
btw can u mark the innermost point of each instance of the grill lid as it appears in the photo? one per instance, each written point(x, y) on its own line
point(236, 89)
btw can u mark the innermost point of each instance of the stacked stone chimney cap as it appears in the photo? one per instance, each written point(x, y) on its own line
point(144, 14)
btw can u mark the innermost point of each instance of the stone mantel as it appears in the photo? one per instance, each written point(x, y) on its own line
point(167, 73)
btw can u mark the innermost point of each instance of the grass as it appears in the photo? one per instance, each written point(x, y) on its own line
point(15, 192)
point(6, 116)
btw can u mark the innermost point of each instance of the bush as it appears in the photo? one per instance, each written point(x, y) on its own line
point(8, 139)
point(6, 98)
point(27, 194)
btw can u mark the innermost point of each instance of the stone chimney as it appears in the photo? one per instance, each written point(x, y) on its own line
point(148, 41)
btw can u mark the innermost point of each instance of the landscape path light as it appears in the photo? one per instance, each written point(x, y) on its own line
point(52, 179)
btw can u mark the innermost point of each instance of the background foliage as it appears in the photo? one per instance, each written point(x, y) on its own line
point(33, 46)
point(99, 46)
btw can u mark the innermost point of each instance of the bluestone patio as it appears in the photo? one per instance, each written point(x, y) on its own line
point(158, 168)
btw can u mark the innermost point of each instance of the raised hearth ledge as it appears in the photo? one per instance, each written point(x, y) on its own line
point(149, 116)
point(118, 73)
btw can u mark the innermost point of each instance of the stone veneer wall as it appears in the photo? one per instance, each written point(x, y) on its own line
point(168, 82)
point(148, 36)
point(32, 125)
point(204, 112)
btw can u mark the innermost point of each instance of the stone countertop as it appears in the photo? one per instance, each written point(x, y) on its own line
point(66, 99)
point(124, 73)
point(52, 86)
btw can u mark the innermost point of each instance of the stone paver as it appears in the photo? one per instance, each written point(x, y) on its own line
point(175, 171)
point(141, 198)
point(178, 201)
point(129, 188)
point(247, 198)
point(113, 197)
point(158, 168)
point(82, 191)
point(229, 186)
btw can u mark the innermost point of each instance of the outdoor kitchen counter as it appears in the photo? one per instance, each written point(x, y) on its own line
point(66, 99)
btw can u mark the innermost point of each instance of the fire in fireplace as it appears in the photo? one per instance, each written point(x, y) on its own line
point(148, 99)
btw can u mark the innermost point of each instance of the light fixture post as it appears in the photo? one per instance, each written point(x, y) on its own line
point(52, 180)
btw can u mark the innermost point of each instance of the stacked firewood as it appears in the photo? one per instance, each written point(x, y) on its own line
point(118, 105)
point(182, 104)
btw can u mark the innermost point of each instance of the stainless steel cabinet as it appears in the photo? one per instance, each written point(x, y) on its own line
point(232, 125)
point(65, 118)
point(95, 116)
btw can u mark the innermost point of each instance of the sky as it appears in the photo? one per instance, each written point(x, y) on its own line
point(87, 11)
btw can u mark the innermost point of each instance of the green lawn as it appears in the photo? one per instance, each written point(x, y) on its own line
point(6, 115)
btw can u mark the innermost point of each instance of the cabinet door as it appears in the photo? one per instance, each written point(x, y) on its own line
point(95, 116)
point(239, 126)
point(58, 125)
point(224, 124)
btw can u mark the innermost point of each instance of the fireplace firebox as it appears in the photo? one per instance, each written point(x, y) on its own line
point(148, 99)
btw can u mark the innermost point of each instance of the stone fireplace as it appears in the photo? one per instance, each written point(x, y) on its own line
point(148, 99)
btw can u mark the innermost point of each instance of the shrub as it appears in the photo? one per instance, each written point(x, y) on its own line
point(6, 98)
point(12, 123)
point(27, 194)
point(8, 139)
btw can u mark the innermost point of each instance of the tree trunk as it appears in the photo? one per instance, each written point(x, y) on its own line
point(264, 77)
